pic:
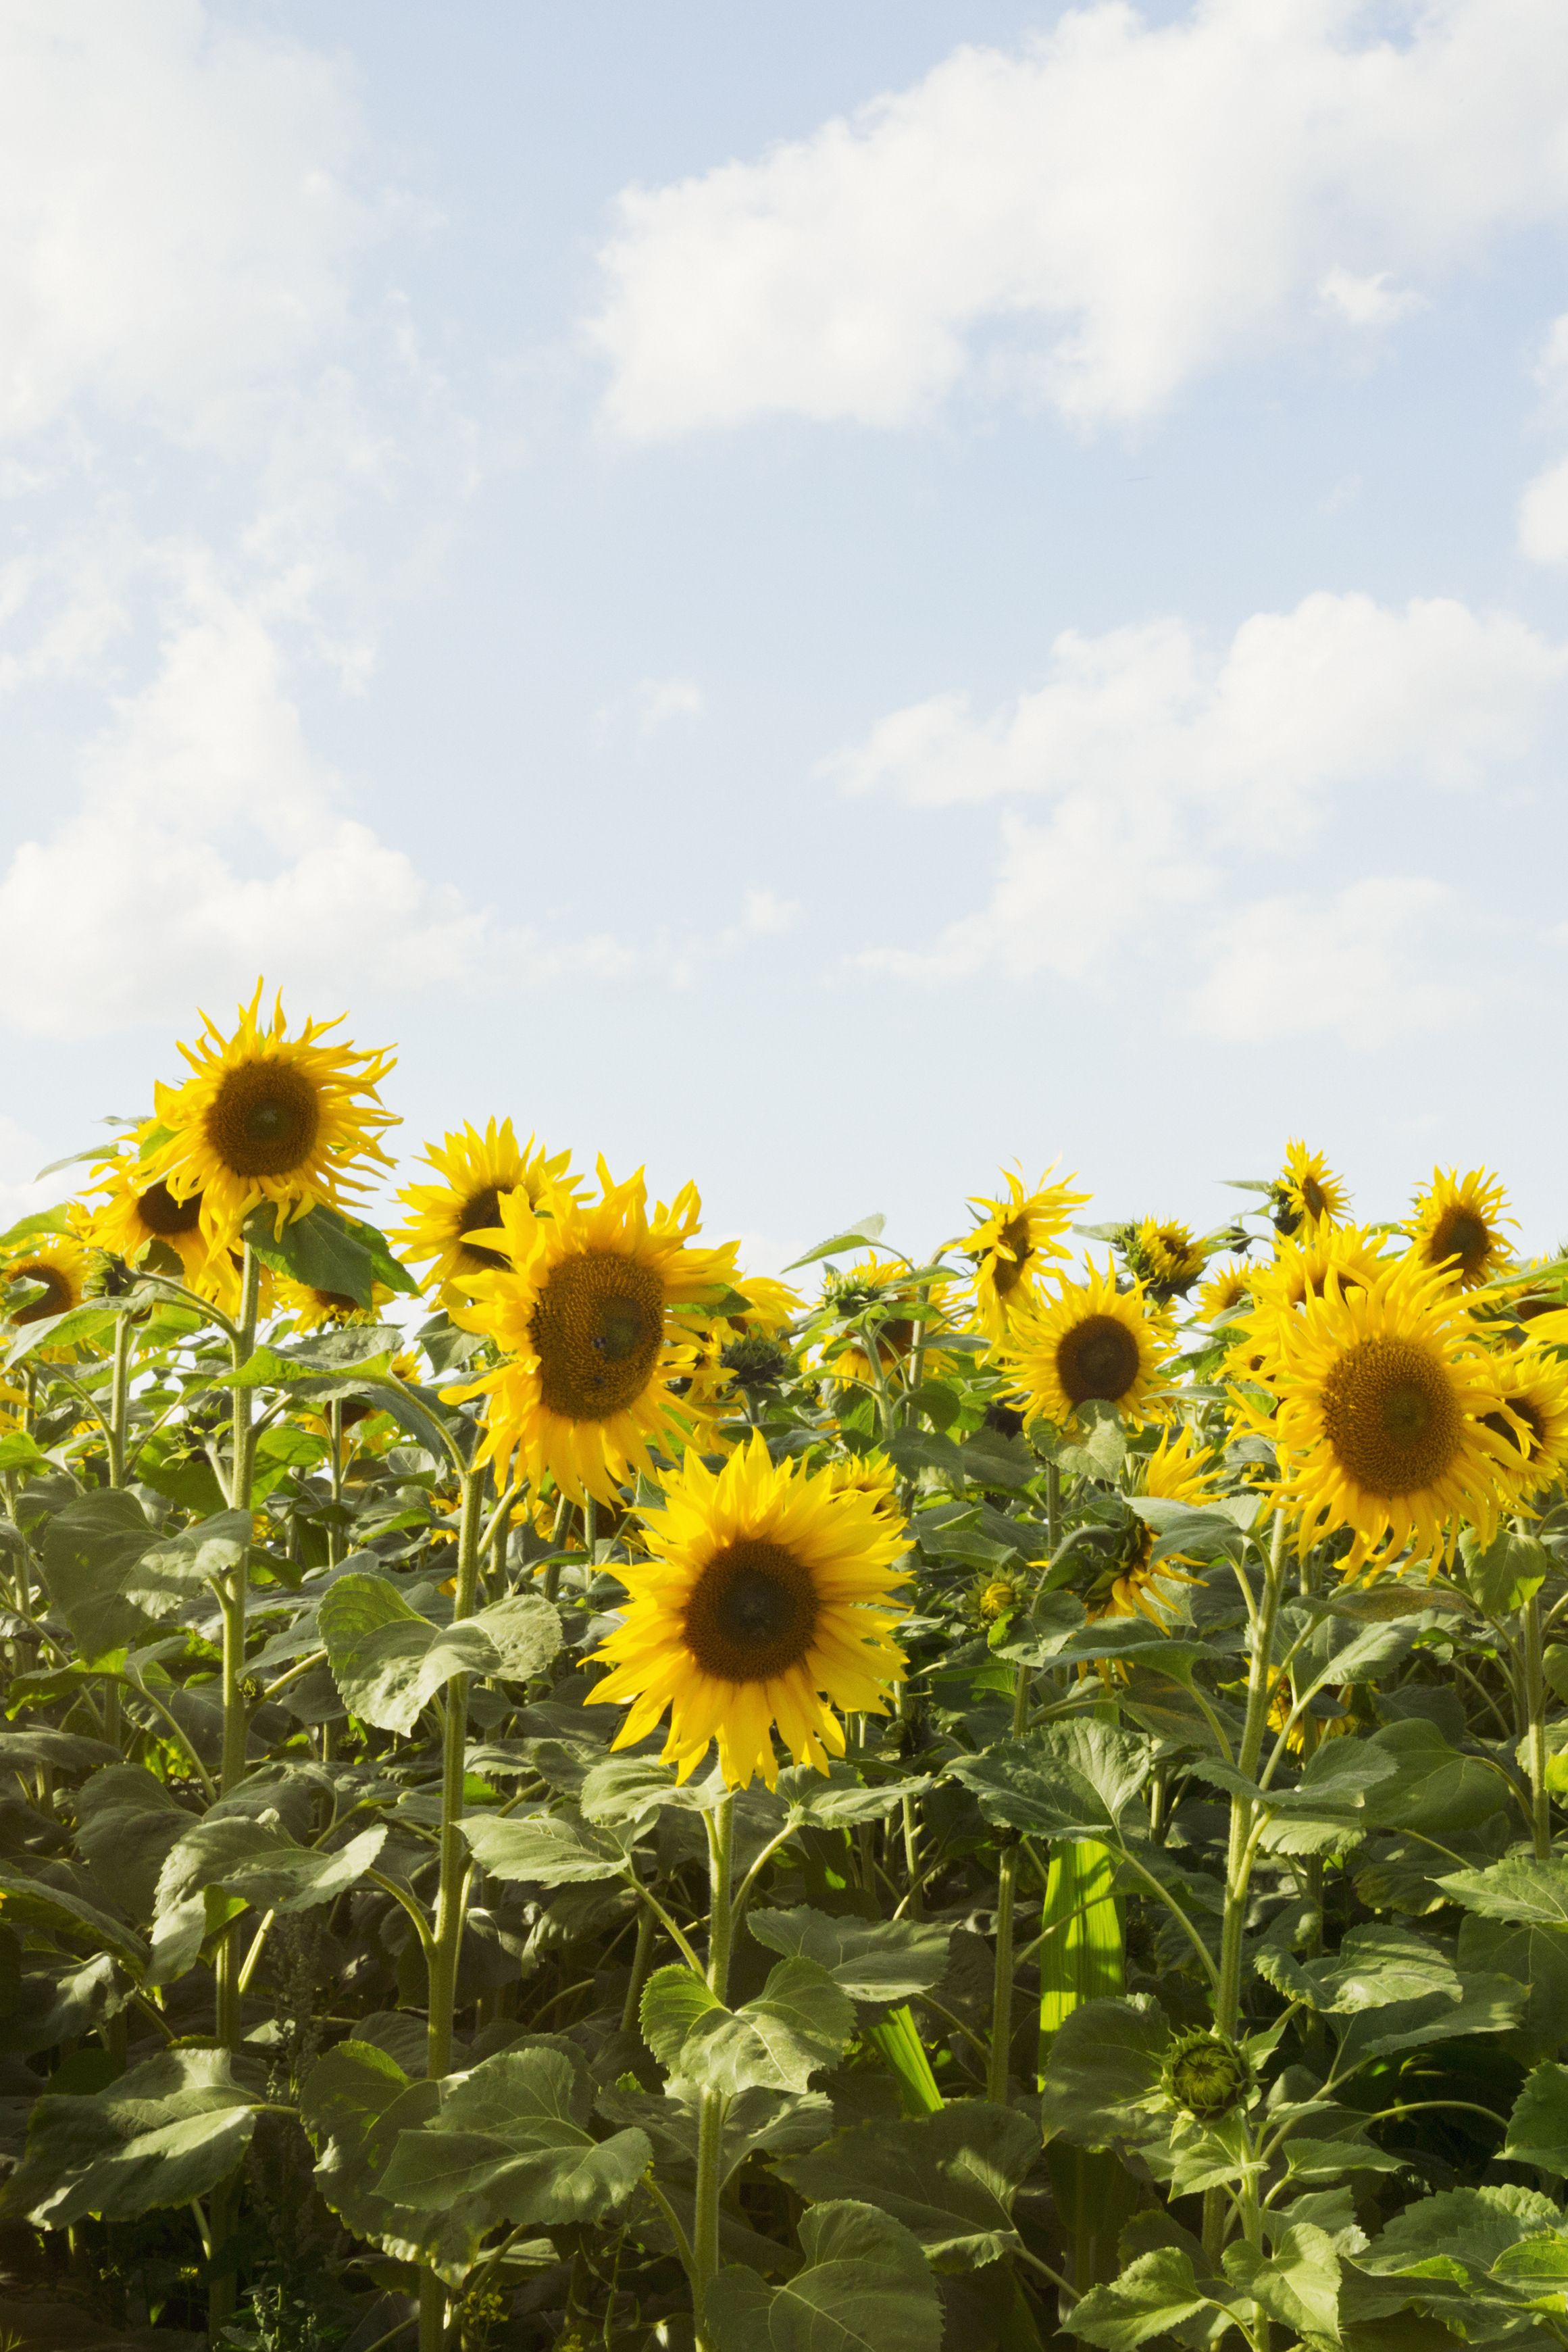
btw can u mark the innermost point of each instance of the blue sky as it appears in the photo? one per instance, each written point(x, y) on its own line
point(823, 599)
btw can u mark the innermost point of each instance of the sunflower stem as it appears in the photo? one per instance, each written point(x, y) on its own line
point(1535, 1726)
point(1002, 1986)
point(119, 1399)
point(710, 2121)
point(232, 1590)
point(335, 1430)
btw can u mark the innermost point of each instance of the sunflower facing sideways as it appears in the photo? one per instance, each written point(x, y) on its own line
point(1165, 1257)
point(476, 1172)
point(1531, 1410)
point(1139, 1585)
point(137, 1212)
point(1459, 1225)
point(870, 1294)
point(1012, 1244)
point(585, 1312)
point(1091, 1344)
point(1386, 1421)
point(267, 1117)
point(1306, 1192)
point(56, 1262)
point(767, 1598)
point(1228, 1287)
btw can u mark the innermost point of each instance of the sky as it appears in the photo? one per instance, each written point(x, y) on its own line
point(820, 600)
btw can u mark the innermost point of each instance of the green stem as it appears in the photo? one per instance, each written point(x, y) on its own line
point(119, 1399)
point(1002, 1984)
point(710, 2122)
point(335, 1434)
point(1535, 1728)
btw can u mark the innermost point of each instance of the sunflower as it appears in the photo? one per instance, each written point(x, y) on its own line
point(585, 1313)
point(1305, 1191)
point(1229, 1287)
point(1011, 1242)
point(876, 1288)
point(478, 1172)
point(870, 1475)
point(57, 1261)
point(137, 1210)
point(1458, 1225)
point(1138, 1584)
point(322, 1311)
point(1381, 1424)
point(765, 1599)
point(1164, 1257)
point(1531, 1410)
point(265, 1118)
point(1343, 1255)
point(1092, 1343)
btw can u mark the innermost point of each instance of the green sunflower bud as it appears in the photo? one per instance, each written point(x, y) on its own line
point(1206, 2076)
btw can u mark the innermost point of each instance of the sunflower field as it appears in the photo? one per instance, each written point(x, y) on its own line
point(554, 1792)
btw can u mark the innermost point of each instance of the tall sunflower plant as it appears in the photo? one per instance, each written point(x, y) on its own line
point(560, 1793)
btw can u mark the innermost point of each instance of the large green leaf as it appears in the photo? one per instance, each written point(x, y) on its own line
point(54, 1904)
point(838, 1798)
point(389, 1662)
point(1517, 1888)
point(559, 1849)
point(327, 1251)
point(799, 2024)
point(355, 2103)
point(169, 2130)
point(1066, 1780)
point(1538, 2127)
point(1298, 2284)
point(949, 2178)
point(250, 1861)
point(1104, 2075)
point(91, 1551)
point(510, 2143)
point(126, 1823)
point(864, 2286)
point(1155, 2293)
point(874, 1960)
point(1435, 1790)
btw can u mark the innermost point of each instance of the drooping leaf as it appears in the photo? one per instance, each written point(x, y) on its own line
point(1065, 1781)
point(799, 2024)
point(864, 2286)
point(355, 2103)
point(1102, 2076)
point(557, 1849)
point(169, 2130)
point(1538, 2126)
point(950, 2178)
point(1155, 2293)
point(876, 1960)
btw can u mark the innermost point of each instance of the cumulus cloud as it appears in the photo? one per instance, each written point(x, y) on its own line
point(1117, 208)
point(177, 218)
point(1363, 962)
point(1150, 783)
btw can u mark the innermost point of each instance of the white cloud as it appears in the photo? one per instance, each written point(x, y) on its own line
point(177, 221)
point(661, 700)
point(1152, 785)
point(1357, 963)
point(1137, 203)
point(1544, 516)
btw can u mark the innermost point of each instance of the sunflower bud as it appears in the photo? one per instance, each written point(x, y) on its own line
point(1206, 2076)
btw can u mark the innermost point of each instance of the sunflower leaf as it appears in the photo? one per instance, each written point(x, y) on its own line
point(864, 1230)
point(799, 2022)
point(864, 2286)
point(950, 2178)
point(317, 1249)
point(169, 2130)
point(558, 1849)
point(875, 1961)
point(355, 2103)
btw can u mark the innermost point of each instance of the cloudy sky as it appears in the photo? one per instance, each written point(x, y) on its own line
point(821, 598)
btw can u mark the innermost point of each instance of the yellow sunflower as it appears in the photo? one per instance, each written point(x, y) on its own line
point(767, 1598)
point(1012, 1242)
point(1531, 1410)
point(267, 1117)
point(1306, 1192)
point(870, 1475)
point(877, 1287)
point(1458, 1225)
point(137, 1210)
point(1229, 1287)
point(1304, 1268)
point(1381, 1423)
point(585, 1311)
point(60, 1264)
point(1091, 1343)
point(1165, 1257)
point(478, 1172)
point(320, 1310)
point(1137, 1585)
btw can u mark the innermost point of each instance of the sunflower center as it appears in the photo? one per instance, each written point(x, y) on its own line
point(1460, 1234)
point(163, 1215)
point(1098, 1359)
point(1391, 1417)
point(478, 1214)
point(1007, 1273)
point(1533, 1442)
point(598, 1326)
point(264, 1119)
point(1313, 1198)
point(58, 1293)
point(752, 1613)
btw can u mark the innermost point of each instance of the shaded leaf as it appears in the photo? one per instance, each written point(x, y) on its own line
point(864, 2286)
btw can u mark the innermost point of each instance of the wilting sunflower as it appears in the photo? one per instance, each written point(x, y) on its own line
point(478, 1172)
point(1306, 1192)
point(585, 1310)
point(323, 1310)
point(1459, 1225)
point(767, 1598)
point(876, 1288)
point(1092, 1343)
point(1012, 1244)
point(60, 1264)
point(135, 1210)
point(1381, 1424)
point(267, 1117)
point(1165, 1257)
point(1531, 1410)
point(1229, 1287)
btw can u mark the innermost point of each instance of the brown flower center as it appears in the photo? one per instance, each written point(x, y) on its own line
point(598, 1325)
point(163, 1215)
point(1535, 1440)
point(1097, 1359)
point(1460, 1234)
point(1391, 1416)
point(1007, 1273)
point(264, 1119)
point(478, 1214)
point(1312, 1197)
point(58, 1293)
point(752, 1613)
